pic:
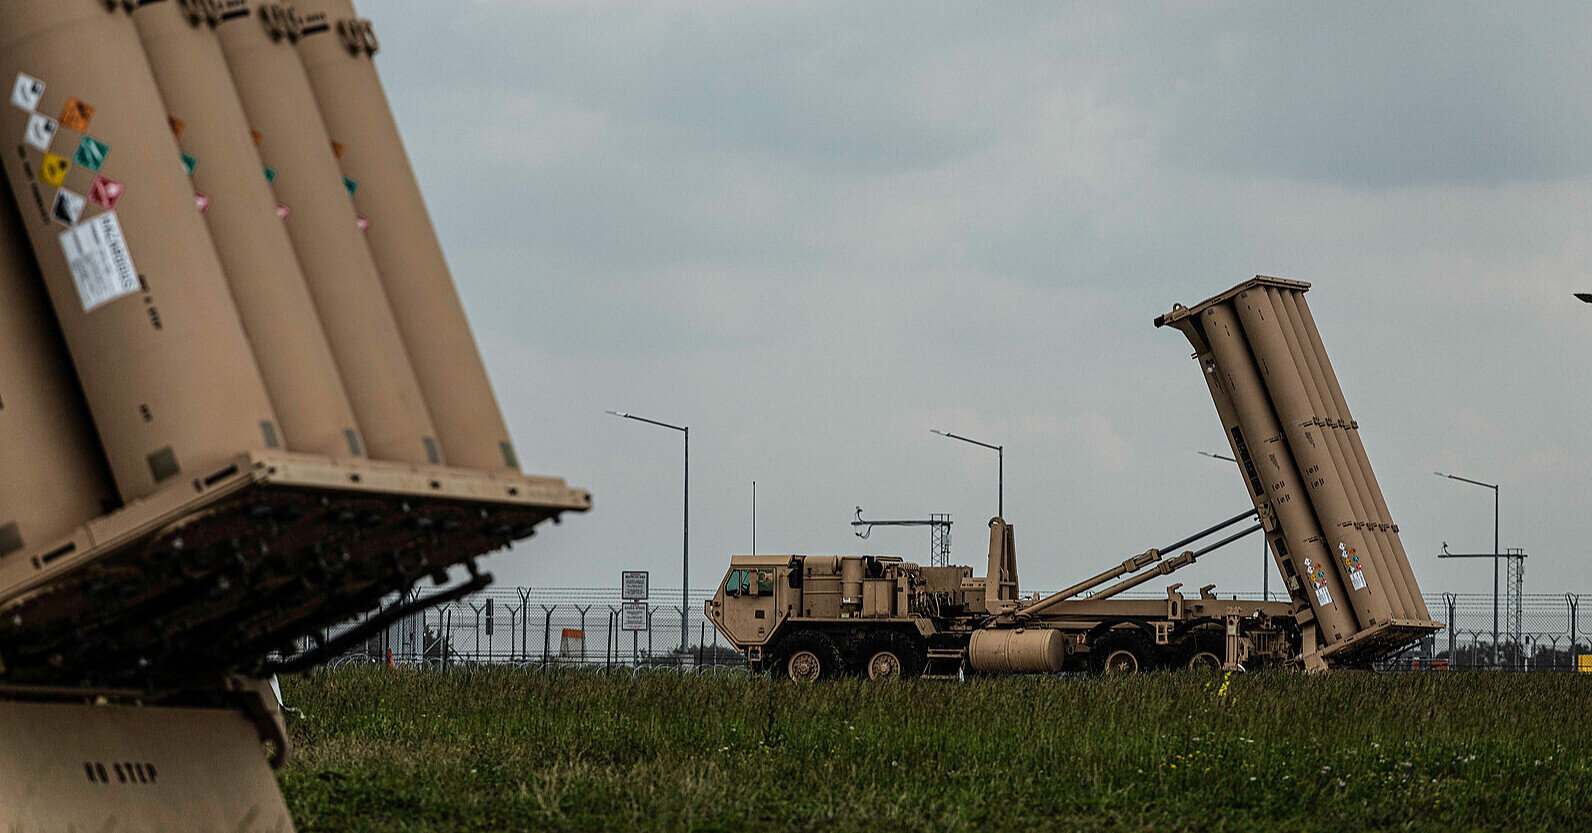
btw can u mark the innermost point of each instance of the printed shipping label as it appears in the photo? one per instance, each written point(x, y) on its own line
point(101, 265)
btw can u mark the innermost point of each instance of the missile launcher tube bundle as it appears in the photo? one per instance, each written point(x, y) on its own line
point(257, 38)
point(278, 314)
point(130, 268)
point(55, 478)
point(1274, 384)
point(1351, 431)
point(1257, 441)
point(338, 50)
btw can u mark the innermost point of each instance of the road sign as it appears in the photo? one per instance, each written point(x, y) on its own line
point(633, 586)
point(633, 616)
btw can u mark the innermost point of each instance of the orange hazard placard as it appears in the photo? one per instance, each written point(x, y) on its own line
point(77, 114)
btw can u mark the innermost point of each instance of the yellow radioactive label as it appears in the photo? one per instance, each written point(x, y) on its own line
point(53, 170)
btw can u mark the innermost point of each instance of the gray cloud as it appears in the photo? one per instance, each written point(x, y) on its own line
point(816, 230)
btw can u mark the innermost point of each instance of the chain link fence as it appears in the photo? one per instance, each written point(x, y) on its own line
point(585, 627)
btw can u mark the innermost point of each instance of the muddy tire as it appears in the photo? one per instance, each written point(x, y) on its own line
point(891, 655)
point(807, 657)
point(1122, 652)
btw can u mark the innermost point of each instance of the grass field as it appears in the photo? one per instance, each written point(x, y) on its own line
point(502, 749)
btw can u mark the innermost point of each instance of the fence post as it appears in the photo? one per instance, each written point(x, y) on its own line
point(1453, 658)
point(547, 630)
point(525, 617)
point(1575, 603)
point(583, 633)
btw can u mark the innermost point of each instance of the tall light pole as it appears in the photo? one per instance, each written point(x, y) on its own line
point(685, 550)
point(1000, 495)
point(1265, 546)
point(1495, 553)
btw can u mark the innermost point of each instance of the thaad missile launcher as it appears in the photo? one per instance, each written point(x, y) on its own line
point(214, 438)
point(1352, 596)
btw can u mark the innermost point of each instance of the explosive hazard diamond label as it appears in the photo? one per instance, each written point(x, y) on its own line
point(91, 153)
point(102, 267)
point(77, 114)
point(106, 192)
point(26, 92)
point(202, 200)
point(41, 131)
point(68, 208)
point(283, 212)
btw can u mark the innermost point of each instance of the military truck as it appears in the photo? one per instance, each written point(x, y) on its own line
point(1352, 596)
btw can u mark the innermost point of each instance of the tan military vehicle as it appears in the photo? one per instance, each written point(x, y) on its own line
point(1352, 596)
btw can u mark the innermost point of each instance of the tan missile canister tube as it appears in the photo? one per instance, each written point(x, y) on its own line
point(1323, 480)
point(1329, 377)
point(128, 263)
point(1319, 620)
point(55, 478)
point(1268, 449)
point(1337, 440)
point(278, 314)
point(338, 50)
point(1385, 579)
point(257, 39)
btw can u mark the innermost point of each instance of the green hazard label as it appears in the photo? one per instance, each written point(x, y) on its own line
point(189, 163)
point(91, 153)
point(270, 175)
point(352, 186)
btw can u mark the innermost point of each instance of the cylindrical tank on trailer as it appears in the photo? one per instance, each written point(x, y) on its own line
point(129, 265)
point(262, 269)
point(257, 37)
point(1277, 471)
point(338, 50)
point(1323, 476)
point(1016, 651)
point(52, 474)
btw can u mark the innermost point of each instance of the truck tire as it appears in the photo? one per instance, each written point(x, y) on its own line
point(1202, 650)
point(1122, 652)
point(891, 655)
point(807, 657)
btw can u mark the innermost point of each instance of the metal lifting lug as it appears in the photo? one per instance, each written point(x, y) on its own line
point(282, 21)
point(201, 12)
point(358, 36)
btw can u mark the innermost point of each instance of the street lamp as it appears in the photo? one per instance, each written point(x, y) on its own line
point(1495, 554)
point(685, 550)
point(1265, 547)
point(1000, 495)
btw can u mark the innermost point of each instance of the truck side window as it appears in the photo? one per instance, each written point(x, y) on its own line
point(765, 582)
point(736, 584)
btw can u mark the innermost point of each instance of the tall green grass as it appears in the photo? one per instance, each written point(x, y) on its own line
point(500, 749)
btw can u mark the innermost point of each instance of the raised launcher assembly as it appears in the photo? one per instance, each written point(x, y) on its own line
point(238, 570)
point(1303, 463)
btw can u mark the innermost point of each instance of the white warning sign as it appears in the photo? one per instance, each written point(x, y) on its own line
point(41, 131)
point(101, 266)
point(25, 94)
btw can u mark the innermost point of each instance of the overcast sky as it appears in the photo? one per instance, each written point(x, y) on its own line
point(814, 231)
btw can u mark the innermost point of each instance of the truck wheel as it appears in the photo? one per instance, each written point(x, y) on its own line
point(892, 656)
point(809, 656)
point(1203, 651)
point(1121, 652)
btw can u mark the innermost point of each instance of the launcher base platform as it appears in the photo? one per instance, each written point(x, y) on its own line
point(233, 571)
